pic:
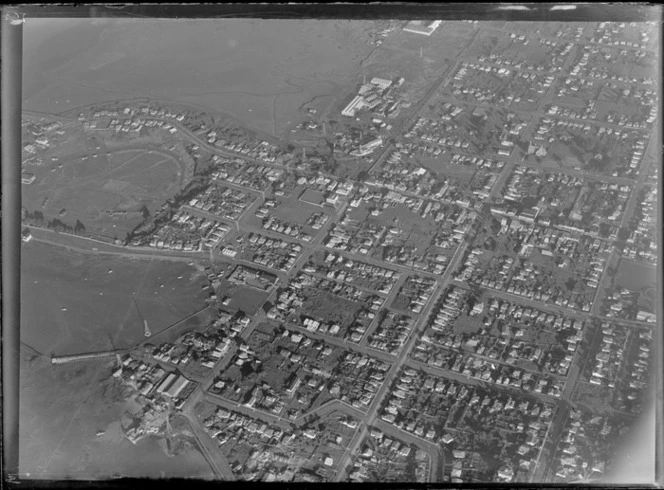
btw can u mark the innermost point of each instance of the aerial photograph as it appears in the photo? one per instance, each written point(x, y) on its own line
point(339, 250)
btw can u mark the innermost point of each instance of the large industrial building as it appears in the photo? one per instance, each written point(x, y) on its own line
point(172, 385)
point(381, 82)
point(355, 105)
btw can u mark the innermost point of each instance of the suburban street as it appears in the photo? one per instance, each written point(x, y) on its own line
point(376, 404)
point(345, 269)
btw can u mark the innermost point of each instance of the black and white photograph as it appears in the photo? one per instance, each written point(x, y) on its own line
point(332, 244)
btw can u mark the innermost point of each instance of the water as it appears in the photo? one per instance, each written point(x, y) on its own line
point(260, 72)
point(99, 308)
point(231, 65)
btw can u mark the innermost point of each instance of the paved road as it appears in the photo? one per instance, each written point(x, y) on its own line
point(584, 40)
point(82, 244)
point(386, 305)
point(462, 378)
point(308, 248)
point(499, 184)
point(578, 366)
point(90, 245)
point(627, 215)
point(345, 344)
point(387, 265)
point(330, 407)
point(433, 450)
point(249, 412)
point(442, 80)
point(553, 431)
point(209, 447)
point(580, 174)
point(374, 408)
point(626, 323)
point(525, 301)
point(551, 437)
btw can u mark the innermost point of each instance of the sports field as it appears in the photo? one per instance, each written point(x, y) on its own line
point(104, 192)
point(635, 276)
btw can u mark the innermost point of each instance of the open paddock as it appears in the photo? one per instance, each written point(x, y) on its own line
point(312, 196)
point(635, 276)
point(241, 298)
point(294, 210)
point(445, 42)
point(105, 192)
point(419, 72)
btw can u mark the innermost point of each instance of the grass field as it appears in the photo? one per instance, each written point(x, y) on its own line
point(100, 309)
point(312, 196)
point(294, 210)
point(88, 188)
point(636, 277)
point(328, 307)
point(243, 298)
point(445, 42)
point(486, 42)
point(443, 166)
point(418, 231)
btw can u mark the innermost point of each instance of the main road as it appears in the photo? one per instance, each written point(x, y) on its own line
point(90, 245)
point(209, 447)
point(377, 402)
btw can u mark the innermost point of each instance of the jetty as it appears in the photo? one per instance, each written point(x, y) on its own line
point(86, 356)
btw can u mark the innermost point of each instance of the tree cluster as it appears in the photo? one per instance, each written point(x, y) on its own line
point(37, 218)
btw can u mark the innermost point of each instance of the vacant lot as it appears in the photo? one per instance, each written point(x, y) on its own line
point(636, 277)
point(329, 307)
point(74, 303)
point(242, 298)
point(294, 210)
point(442, 165)
point(312, 196)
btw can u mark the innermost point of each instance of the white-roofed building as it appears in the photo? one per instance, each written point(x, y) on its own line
point(381, 82)
point(421, 27)
point(355, 105)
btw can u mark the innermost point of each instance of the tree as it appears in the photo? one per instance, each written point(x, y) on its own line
point(79, 227)
point(623, 233)
point(57, 225)
point(604, 230)
point(495, 226)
